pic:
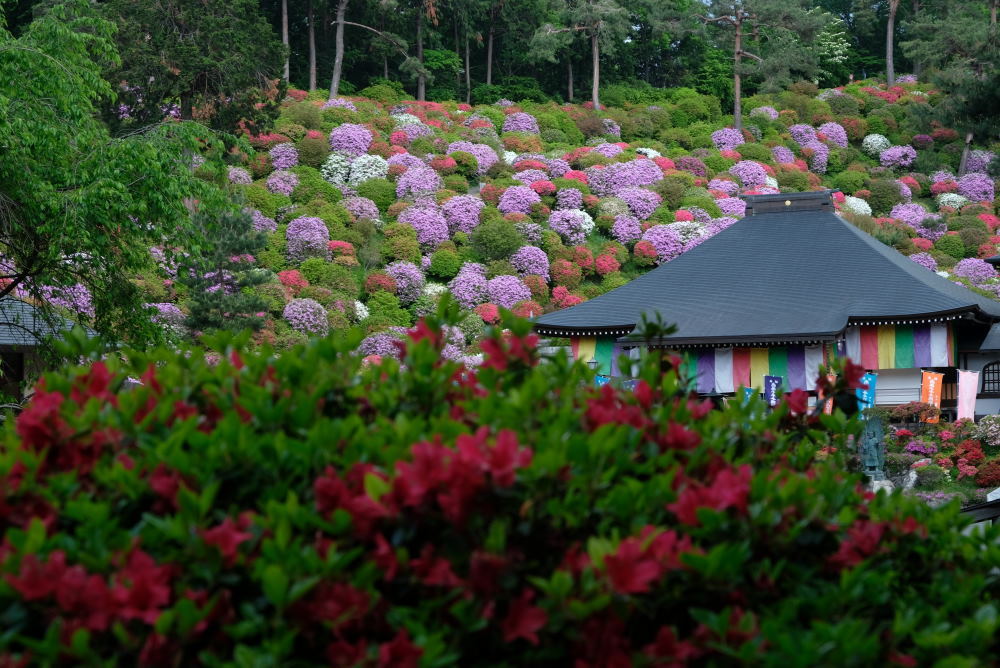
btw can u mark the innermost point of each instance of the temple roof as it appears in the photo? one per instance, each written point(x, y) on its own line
point(791, 271)
point(22, 324)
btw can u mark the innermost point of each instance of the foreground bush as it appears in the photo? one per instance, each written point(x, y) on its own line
point(309, 510)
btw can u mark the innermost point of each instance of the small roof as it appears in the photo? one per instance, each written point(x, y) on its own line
point(22, 324)
point(991, 343)
point(791, 271)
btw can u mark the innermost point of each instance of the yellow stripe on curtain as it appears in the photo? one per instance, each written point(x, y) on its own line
point(886, 347)
point(587, 348)
point(759, 366)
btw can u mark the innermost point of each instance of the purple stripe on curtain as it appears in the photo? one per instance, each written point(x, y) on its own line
point(706, 370)
point(796, 367)
point(922, 346)
point(615, 352)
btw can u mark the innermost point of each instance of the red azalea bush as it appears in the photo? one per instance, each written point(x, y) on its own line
point(566, 273)
point(313, 509)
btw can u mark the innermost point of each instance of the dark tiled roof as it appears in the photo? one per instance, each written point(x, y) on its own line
point(798, 273)
point(21, 324)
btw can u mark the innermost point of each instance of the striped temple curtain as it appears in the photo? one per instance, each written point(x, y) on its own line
point(901, 346)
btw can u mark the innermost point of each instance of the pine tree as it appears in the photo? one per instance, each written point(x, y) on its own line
point(219, 277)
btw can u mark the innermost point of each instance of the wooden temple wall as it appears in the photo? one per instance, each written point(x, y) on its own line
point(726, 369)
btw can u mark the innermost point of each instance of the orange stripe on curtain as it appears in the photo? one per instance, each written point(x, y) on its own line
point(869, 347)
point(574, 344)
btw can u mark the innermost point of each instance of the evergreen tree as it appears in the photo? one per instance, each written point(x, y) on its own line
point(219, 57)
point(779, 32)
point(220, 276)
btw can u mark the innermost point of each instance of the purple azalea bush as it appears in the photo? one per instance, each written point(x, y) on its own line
point(979, 160)
point(307, 316)
point(284, 156)
point(239, 176)
point(749, 172)
point(783, 155)
point(689, 163)
point(520, 122)
point(731, 188)
point(383, 344)
point(727, 139)
point(361, 207)
point(262, 223)
point(925, 260)
point(429, 223)
point(608, 150)
point(531, 260)
point(282, 182)
point(75, 298)
point(976, 186)
point(485, 156)
point(339, 103)
point(665, 240)
point(911, 214)
point(820, 155)
point(518, 199)
point(609, 180)
point(767, 112)
point(626, 229)
point(571, 224)
point(350, 139)
point(462, 213)
point(898, 156)
point(167, 314)
point(569, 198)
point(409, 280)
point(802, 133)
point(732, 206)
point(835, 133)
point(506, 290)
point(641, 202)
point(976, 270)
point(469, 285)
point(307, 237)
point(417, 181)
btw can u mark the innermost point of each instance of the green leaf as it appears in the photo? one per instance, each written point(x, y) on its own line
point(275, 584)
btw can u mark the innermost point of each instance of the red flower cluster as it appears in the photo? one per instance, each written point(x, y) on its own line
point(641, 561)
point(293, 280)
point(543, 187)
point(729, 489)
point(506, 349)
point(863, 539)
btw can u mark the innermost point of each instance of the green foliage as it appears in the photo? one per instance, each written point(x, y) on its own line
point(380, 191)
point(284, 483)
point(68, 189)
point(193, 54)
point(793, 180)
point(265, 201)
point(384, 91)
point(385, 307)
point(951, 245)
point(884, 195)
point(220, 279)
point(757, 152)
point(445, 264)
point(850, 181)
point(313, 186)
point(496, 240)
point(313, 151)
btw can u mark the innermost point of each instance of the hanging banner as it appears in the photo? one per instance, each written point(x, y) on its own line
point(600, 380)
point(772, 389)
point(930, 393)
point(747, 393)
point(968, 384)
point(827, 403)
point(866, 398)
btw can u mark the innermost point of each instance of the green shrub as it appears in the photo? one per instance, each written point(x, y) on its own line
point(757, 152)
point(884, 195)
point(672, 188)
point(263, 200)
point(706, 203)
point(844, 105)
point(793, 180)
point(306, 114)
point(850, 181)
point(380, 191)
point(251, 504)
point(930, 477)
point(313, 151)
point(496, 240)
point(386, 92)
point(329, 275)
point(445, 264)
point(293, 131)
point(385, 307)
point(944, 260)
point(951, 244)
point(273, 295)
point(313, 186)
point(973, 238)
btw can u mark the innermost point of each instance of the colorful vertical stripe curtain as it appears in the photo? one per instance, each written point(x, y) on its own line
point(604, 349)
point(901, 346)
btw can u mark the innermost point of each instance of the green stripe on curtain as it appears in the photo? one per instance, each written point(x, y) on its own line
point(904, 347)
point(604, 353)
point(690, 366)
point(777, 363)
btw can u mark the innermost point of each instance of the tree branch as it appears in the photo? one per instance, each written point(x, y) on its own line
point(381, 34)
point(718, 19)
point(751, 55)
point(553, 31)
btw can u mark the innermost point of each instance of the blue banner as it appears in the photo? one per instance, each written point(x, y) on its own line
point(866, 398)
point(772, 389)
point(630, 384)
point(601, 380)
point(747, 393)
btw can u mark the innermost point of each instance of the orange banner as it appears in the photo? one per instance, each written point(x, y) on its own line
point(828, 403)
point(930, 392)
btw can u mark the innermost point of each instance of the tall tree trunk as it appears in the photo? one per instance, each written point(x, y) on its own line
point(385, 67)
point(595, 56)
point(917, 65)
point(468, 74)
point(737, 79)
point(458, 52)
point(890, 32)
point(338, 49)
point(569, 79)
point(187, 110)
point(993, 12)
point(489, 55)
point(284, 34)
point(965, 154)
point(421, 79)
point(312, 48)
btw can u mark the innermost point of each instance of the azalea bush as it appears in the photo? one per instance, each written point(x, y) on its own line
point(316, 508)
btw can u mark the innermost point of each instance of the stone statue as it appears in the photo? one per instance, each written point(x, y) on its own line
point(873, 449)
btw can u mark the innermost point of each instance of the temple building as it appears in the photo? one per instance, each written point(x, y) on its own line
point(784, 290)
